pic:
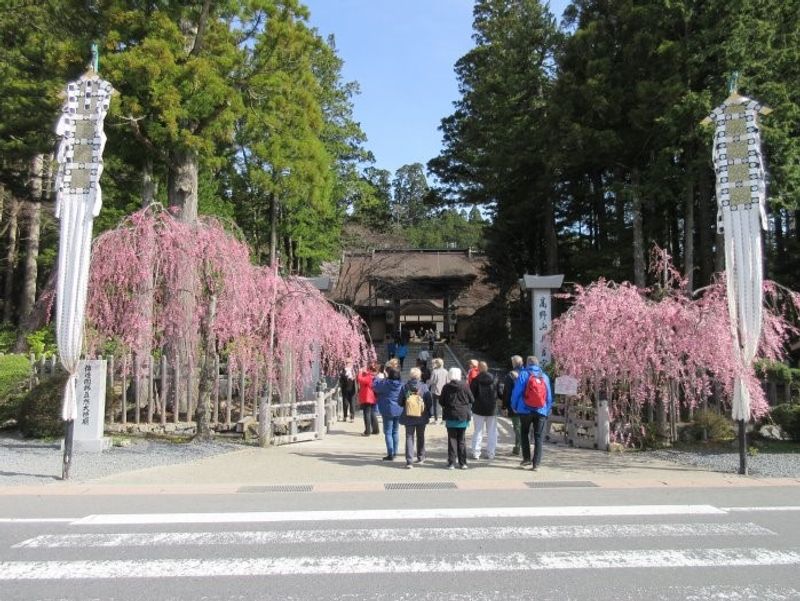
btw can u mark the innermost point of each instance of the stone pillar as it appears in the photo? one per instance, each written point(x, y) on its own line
point(541, 288)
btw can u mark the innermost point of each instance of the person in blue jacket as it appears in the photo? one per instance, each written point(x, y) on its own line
point(530, 416)
point(387, 394)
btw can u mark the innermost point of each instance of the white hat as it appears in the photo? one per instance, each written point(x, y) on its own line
point(455, 374)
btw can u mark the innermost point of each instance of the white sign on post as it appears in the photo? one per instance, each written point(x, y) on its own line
point(541, 325)
point(91, 396)
point(566, 385)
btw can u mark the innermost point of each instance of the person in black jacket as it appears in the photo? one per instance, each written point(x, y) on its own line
point(484, 411)
point(347, 384)
point(415, 425)
point(508, 388)
point(456, 401)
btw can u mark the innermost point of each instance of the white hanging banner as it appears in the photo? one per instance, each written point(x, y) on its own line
point(741, 199)
point(78, 202)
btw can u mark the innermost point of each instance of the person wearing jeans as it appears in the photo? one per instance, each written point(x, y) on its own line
point(387, 393)
point(415, 424)
point(535, 417)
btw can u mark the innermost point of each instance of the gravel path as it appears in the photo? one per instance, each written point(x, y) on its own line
point(30, 462)
point(775, 465)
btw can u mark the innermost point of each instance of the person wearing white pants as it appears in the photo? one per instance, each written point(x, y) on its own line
point(477, 435)
point(484, 411)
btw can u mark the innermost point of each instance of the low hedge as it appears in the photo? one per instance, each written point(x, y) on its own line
point(788, 418)
point(39, 413)
point(15, 371)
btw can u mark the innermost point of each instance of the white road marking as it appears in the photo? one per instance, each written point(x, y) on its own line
point(454, 513)
point(387, 564)
point(779, 508)
point(35, 520)
point(171, 539)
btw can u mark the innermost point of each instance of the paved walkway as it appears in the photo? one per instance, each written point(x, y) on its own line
point(347, 461)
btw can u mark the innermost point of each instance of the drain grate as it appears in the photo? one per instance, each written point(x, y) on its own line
point(419, 485)
point(562, 484)
point(277, 488)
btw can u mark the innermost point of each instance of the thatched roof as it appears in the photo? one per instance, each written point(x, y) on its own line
point(414, 274)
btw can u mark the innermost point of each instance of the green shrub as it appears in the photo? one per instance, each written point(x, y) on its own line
point(8, 336)
point(40, 410)
point(14, 373)
point(42, 341)
point(788, 418)
point(712, 425)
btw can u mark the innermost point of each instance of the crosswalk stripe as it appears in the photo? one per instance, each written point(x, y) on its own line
point(749, 509)
point(398, 514)
point(355, 564)
point(147, 539)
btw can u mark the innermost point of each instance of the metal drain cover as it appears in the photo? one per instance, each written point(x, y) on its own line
point(277, 488)
point(562, 484)
point(419, 485)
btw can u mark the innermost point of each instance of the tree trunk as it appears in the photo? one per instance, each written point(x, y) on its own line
point(706, 228)
point(11, 259)
point(688, 237)
point(550, 238)
point(33, 214)
point(149, 184)
point(39, 316)
point(273, 229)
point(149, 191)
point(182, 194)
point(182, 184)
point(638, 231)
point(207, 375)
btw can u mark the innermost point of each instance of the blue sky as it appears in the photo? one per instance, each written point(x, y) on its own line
point(402, 54)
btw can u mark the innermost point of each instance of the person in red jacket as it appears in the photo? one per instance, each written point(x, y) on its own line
point(473, 371)
point(366, 398)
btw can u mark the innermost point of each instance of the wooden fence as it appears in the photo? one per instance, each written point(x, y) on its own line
point(151, 395)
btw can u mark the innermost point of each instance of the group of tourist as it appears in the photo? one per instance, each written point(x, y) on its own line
point(524, 395)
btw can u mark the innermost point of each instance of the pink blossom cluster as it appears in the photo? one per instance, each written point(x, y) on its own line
point(638, 345)
point(152, 281)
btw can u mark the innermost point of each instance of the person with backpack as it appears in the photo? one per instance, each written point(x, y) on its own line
point(456, 401)
point(532, 400)
point(387, 395)
point(415, 399)
point(347, 386)
point(366, 398)
point(484, 412)
point(505, 397)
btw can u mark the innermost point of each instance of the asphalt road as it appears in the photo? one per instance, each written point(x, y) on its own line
point(541, 544)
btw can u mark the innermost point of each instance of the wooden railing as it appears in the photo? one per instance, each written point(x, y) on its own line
point(142, 396)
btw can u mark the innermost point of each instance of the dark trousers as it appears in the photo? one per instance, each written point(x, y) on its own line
point(435, 406)
point(456, 446)
point(535, 422)
point(370, 419)
point(349, 404)
point(413, 432)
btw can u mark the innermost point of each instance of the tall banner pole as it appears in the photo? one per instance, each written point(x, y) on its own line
point(78, 202)
point(741, 200)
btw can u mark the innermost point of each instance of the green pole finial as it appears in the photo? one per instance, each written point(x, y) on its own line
point(733, 82)
point(95, 57)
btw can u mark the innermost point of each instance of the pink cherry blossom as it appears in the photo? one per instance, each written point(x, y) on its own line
point(138, 282)
point(638, 344)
